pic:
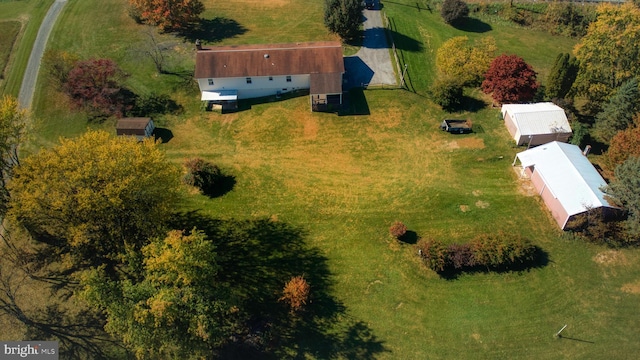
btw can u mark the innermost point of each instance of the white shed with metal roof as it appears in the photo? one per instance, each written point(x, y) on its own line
point(565, 179)
point(535, 124)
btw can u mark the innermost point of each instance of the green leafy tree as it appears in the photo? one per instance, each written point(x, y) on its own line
point(608, 53)
point(562, 76)
point(625, 192)
point(176, 310)
point(167, 14)
point(510, 80)
point(57, 64)
point(13, 121)
point(619, 111)
point(454, 11)
point(467, 63)
point(343, 17)
point(95, 197)
point(568, 19)
point(448, 93)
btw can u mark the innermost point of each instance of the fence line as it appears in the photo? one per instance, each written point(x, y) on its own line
point(389, 32)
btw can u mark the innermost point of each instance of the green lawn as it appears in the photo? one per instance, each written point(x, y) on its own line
point(29, 13)
point(342, 181)
point(418, 34)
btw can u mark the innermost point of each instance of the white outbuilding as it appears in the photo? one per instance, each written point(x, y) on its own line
point(565, 179)
point(536, 124)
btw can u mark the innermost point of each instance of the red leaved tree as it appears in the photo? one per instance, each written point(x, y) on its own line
point(510, 80)
point(96, 85)
point(167, 14)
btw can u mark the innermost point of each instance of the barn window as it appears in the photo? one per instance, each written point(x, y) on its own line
point(270, 78)
point(248, 80)
point(210, 81)
point(288, 78)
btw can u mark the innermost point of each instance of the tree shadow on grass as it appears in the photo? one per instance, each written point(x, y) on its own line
point(410, 237)
point(472, 25)
point(163, 134)
point(257, 258)
point(154, 104)
point(540, 259)
point(78, 329)
point(222, 185)
point(212, 30)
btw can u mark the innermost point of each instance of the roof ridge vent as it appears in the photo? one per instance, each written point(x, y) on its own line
point(266, 56)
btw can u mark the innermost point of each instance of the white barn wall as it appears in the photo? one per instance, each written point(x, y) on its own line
point(260, 85)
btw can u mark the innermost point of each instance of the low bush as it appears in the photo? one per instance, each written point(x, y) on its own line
point(398, 229)
point(296, 293)
point(433, 253)
point(201, 174)
point(454, 11)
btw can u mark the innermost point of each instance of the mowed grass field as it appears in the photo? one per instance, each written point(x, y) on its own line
point(343, 180)
point(19, 24)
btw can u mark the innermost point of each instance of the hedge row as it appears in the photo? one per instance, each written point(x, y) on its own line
point(488, 250)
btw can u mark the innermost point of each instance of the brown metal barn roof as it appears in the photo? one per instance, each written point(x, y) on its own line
point(270, 60)
point(132, 123)
point(326, 83)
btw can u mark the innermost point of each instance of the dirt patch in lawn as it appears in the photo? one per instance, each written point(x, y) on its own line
point(482, 204)
point(611, 257)
point(264, 3)
point(476, 192)
point(466, 143)
point(464, 208)
point(631, 288)
point(310, 127)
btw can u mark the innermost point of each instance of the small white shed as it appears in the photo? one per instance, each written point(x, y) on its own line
point(536, 124)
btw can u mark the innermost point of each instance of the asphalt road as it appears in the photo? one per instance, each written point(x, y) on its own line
point(25, 97)
point(372, 63)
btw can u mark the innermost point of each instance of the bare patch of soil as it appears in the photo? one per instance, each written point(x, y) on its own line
point(610, 257)
point(466, 143)
point(464, 208)
point(476, 192)
point(482, 204)
point(631, 288)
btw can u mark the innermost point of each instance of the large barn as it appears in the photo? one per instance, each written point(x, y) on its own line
point(227, 74)
point(535, 124)
point(565, 179)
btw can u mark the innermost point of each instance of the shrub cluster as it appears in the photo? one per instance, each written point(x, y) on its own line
point(492, 251)
point(398, 229)
point(296, 293)
point(454, 11)
point(201, 174)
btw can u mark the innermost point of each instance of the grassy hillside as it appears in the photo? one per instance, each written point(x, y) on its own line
point(342, 180)
point(29, 14)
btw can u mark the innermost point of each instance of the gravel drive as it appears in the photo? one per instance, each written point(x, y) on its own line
point(25, 97)
point(372, 63)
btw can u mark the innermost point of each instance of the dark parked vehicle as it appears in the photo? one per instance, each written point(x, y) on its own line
point(456, 126)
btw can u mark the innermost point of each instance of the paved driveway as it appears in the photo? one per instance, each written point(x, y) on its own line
point(372, 63)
